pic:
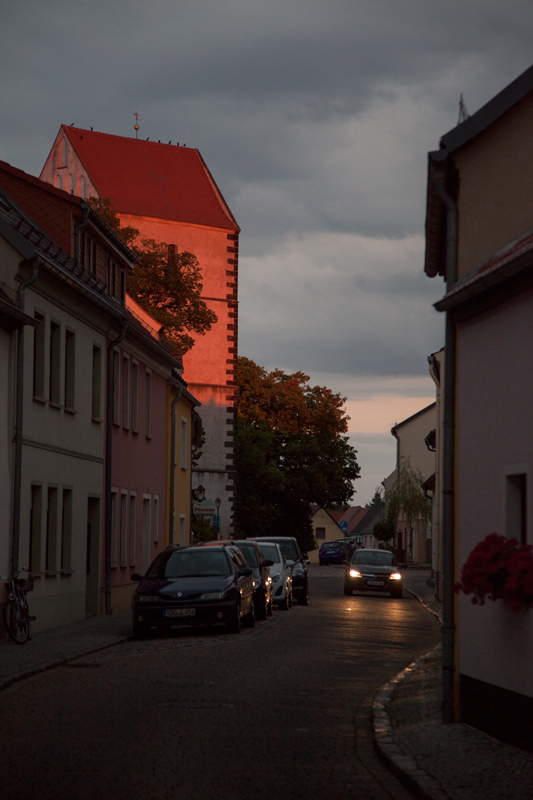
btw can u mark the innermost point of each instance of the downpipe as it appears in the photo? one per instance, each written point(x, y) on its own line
point(108, 517)
point(19, 418)
point(448, 469)
point(171, 512)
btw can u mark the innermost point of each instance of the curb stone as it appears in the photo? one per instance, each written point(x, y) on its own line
point(403, 765)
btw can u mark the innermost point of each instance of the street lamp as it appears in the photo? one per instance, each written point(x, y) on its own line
point(217, 503)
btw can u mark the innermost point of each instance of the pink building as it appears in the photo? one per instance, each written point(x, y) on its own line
point(168, 193)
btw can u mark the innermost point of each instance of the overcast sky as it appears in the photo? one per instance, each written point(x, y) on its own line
point(315, 118)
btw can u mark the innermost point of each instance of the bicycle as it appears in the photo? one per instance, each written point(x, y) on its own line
point(16, 613)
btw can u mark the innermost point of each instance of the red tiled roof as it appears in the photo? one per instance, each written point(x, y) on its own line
point(150, 179)
point(49, 207)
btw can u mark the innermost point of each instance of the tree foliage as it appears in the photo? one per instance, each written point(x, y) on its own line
point(405, 500)
point(167, 285)
point(291, 452)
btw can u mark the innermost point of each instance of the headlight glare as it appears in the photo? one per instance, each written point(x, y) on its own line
point(396, 576)
point(354, 573)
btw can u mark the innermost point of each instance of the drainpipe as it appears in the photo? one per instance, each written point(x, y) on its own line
point(172, 465)
point(19, 413)
point(108, 518)
point(448, 469)
point(85, 210)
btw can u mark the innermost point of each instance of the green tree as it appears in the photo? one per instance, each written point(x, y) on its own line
point(291, 452)
point(405, 500)
point(167, 285)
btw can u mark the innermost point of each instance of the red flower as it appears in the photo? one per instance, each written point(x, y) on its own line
point(498, 568)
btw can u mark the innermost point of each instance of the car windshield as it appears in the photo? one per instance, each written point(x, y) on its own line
point(331, 546)
point(374, 558)
point(289, 550)
point(249, 553)
point(270, 552)
point(190, 564)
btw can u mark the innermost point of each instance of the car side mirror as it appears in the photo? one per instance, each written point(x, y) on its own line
point(245, 572)
point(268, 563)
point(137, 577)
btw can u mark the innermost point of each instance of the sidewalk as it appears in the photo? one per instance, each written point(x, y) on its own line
point(442, 762)
point(53, 647)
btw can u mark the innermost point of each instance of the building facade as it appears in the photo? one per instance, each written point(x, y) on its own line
point(167, 192)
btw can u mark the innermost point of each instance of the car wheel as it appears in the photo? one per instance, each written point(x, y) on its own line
point(262, 606)
point(348, 590)
point(234, 625)
point(303, 598)
point(249, 620)
point(397, 592)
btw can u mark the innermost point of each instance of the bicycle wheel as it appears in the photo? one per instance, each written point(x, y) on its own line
point(16, 623)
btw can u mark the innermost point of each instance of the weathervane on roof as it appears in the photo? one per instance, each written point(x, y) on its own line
point(136, 126)
point(463, 113)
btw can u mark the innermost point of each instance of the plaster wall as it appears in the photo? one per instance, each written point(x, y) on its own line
point(323, 520)
point(58, 170)
point(5, 448)
point(182, 475)
point(495, 186)
point(495, 439)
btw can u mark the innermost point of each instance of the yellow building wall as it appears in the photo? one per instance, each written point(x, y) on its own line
point(323, 520)
point(182, 475)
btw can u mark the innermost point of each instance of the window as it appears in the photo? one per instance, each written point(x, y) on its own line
point(125, 392)
point(70, 184)
point(122, 286)
point(62, 154)
point(70, 360)
point(39, 334)
point(35, 529)
point(55, 363)
point(134, 397)
point(66, 531)
point(51, 531)
point(156, 519)
point(183, 455)
point(114, 526)
point(82, 187)
point(132, 527)
point(123, 527)
point(320, 533)
point(96, 410)
point(58, 182)
point(148, 404)
point(516, 507)
point(116, 387)
point(147, 531)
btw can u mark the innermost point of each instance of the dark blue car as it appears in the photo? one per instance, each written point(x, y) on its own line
point(332, 553)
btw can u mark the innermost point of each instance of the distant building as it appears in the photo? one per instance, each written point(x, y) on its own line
point(168, 193)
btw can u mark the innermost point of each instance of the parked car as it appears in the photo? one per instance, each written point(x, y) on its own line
point(350, 545)
point(260, 570)
point(194, 586)
point(374, 571)
point(296, 561)
point(280, 572)
point(331, 553)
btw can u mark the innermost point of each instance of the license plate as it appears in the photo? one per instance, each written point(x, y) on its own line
point(375, 583)
point(180, 612)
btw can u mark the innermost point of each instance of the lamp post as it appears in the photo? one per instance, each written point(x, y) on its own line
point(200, 495)
point(217, 503)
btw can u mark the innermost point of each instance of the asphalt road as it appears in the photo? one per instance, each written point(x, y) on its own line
point(280, 711)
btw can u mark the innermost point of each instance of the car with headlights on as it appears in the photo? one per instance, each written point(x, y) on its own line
point(260, 573)
point(296, 561)
point(373, 571)
point(280, 573)
point(194, 586)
